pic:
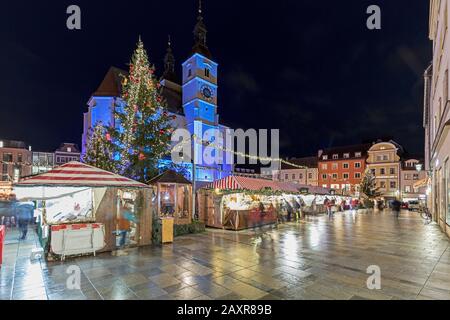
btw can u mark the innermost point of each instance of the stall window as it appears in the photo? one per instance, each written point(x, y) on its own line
point(167, 199)
point(183, 200)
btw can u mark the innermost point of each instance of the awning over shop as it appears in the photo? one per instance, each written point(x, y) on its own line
point(421, 183)
point(254, 184)
point(77, 174)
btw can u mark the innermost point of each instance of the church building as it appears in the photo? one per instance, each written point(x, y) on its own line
point(193, 102)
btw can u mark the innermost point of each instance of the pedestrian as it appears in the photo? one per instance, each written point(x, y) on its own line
point(124, 223)
point(329, 206)
point(343, 203)
point(25, 213)
point(396, 207)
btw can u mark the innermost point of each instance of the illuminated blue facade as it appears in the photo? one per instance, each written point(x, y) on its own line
point(194, 103)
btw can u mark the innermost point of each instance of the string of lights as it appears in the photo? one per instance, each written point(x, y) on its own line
point(242, 154)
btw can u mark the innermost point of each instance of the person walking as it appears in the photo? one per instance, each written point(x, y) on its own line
point(25, 212)
point(329, 206)
point(396, 207)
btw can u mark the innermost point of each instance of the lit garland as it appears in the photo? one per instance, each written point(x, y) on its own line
point(248, 156)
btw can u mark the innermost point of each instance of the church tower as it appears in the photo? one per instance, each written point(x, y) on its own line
point(199, 98)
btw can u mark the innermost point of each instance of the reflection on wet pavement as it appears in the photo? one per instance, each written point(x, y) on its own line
point(317, 258)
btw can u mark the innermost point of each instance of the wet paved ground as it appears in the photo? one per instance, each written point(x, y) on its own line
point(314, 259)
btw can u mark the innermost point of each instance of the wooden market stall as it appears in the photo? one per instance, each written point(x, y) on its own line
point(174, 196)
point(84, 209)
point(238, 202)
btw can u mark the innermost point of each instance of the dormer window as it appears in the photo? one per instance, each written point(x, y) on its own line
point(357, 154)
point(325, 157)
point(346, 155)
point(335, 156)
point(69, 149)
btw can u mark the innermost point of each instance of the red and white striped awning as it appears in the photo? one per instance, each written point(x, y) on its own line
point(254, 184)
point(79, 174)
point(240, 182)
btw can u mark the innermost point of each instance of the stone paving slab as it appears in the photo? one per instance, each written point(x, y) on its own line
point(317, 258)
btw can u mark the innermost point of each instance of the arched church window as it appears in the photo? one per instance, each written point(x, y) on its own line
point(206, 72)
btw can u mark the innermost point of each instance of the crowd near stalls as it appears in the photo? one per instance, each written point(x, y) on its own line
point(81, 209)
point(237, 202)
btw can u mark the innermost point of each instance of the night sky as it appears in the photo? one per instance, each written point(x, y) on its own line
point(309, 68)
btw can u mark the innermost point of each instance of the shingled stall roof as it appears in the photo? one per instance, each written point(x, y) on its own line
point(169, 176)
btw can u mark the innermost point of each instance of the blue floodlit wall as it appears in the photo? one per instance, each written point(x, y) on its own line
point(200, 115)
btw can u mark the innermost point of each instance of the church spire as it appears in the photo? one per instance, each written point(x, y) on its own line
point(169, 63)
point(200, 35)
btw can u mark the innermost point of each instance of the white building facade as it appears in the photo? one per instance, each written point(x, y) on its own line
point(437, 117)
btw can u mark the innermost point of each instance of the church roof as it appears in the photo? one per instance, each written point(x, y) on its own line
point(111, 86)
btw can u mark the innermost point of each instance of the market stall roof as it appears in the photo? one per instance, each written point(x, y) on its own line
point(254, 184)
point(79, 174)
point(169, 176)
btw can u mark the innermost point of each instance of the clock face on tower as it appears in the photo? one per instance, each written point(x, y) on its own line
point(207, 92)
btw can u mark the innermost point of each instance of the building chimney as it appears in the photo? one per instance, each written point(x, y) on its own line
point(319, 153)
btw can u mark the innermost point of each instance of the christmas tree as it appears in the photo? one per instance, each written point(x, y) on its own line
point(143, 134)
point(99, 148)
point(368, 186)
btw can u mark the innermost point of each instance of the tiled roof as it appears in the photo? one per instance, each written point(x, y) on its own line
point(310, 162)
point(351, 150)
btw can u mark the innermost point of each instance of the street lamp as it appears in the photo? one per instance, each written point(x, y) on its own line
point(418, 167)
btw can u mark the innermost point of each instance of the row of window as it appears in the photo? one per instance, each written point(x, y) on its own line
point(382, 171)
point(382, 184)
point(411, 189)
point(335, 166)
point(382, 157)
point(205, 72)
point(294, 176)
point(414, 176)
point(345, 156)
point(9, 157)
point(344, 187)
point(335, 176)
point(66, 159)
point(5, 173)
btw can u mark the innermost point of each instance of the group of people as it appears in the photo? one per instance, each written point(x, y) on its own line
point(19, 215)
point(332, 206)
point(288, 212)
